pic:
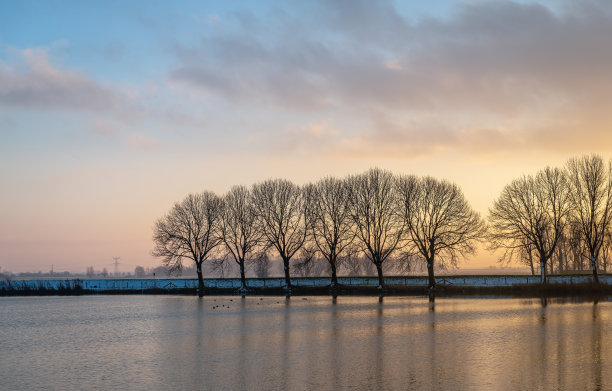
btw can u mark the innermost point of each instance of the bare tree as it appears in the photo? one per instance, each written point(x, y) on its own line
point(262, 265)
point(375, 213)
point(89, 271)
point(353, 265)
point(591, 197)
point(560, 255)
point(330, 221)
point(308, 264)
point(605, 251)
point(531, 211)
point(526, 255)
point(239, 231)
point(281, 210)
point(139, 271)
point(575, 243)
point(401, 263)
point(440, 223)
point(221, 266)
point(189, 231)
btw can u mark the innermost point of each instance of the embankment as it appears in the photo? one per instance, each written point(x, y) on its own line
point(511, 285)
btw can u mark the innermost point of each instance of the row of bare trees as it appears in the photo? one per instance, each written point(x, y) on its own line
point(376, 214)
point(382, 217)
point(557, 212)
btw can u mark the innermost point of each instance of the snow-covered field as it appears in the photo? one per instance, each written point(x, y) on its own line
point(102, 285)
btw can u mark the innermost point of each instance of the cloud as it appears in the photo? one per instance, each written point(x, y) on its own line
point(319, 138)
point(103, 128)
point(487, 76)
point(31, 81)
point(141, 141)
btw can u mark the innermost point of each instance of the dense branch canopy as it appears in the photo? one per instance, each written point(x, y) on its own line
point(330, 218)
point(531, 211)
point(238, 228)
point(190, 230)
point(438, 218)
point(281, 211)
point(591, 199)
point(375, 213)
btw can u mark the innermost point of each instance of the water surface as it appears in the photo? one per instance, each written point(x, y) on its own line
point(304, 343)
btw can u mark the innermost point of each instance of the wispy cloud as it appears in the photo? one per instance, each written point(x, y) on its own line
point(30, 80)
point(499, 75)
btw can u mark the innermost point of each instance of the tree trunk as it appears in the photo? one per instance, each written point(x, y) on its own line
point(381, 279)
point(243, 286)
point(531, 262)
point(575, 260)
point(594, 266)
point(550, 264)
point(200, 279)
point(287, 277)
point(543, 272)
point(334, 277)
point(430, 274)
point(563, 261)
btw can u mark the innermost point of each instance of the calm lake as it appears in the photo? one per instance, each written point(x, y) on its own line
point(304, 343)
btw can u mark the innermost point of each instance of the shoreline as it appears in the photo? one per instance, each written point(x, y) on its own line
point(456, 286)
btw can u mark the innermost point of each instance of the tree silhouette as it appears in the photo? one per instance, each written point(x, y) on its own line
point(281, 215)
point(239, 231)
point(531, 211)
point(439, 221)
point(374, 209)
point(330, 220)
point(189, 231)
point(590, 180)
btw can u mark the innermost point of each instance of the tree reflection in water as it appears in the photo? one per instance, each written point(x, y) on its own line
point(315, 343)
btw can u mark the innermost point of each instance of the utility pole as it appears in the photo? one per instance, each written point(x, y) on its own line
point(116, 263)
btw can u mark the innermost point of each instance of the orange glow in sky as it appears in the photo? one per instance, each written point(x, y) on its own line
point(109, 115)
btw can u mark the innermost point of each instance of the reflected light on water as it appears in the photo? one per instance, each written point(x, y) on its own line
point(317, 343)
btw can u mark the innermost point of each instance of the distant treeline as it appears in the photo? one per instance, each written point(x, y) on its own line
point(139, 272)
point(559, 217)
point(221, 268)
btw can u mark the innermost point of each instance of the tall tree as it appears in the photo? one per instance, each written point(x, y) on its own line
point(281, 210)
point(591, 195)
point(330, 221)
point(189, 231)
point(239, 232)
point(531, 211)
point(374, 209)
point(439, 221)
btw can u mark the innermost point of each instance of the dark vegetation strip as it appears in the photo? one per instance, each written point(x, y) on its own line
point(519, 290)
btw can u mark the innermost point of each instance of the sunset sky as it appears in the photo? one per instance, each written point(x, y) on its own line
point(111, 111)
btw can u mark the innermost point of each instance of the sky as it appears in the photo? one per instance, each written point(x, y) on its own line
point(112, 111)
